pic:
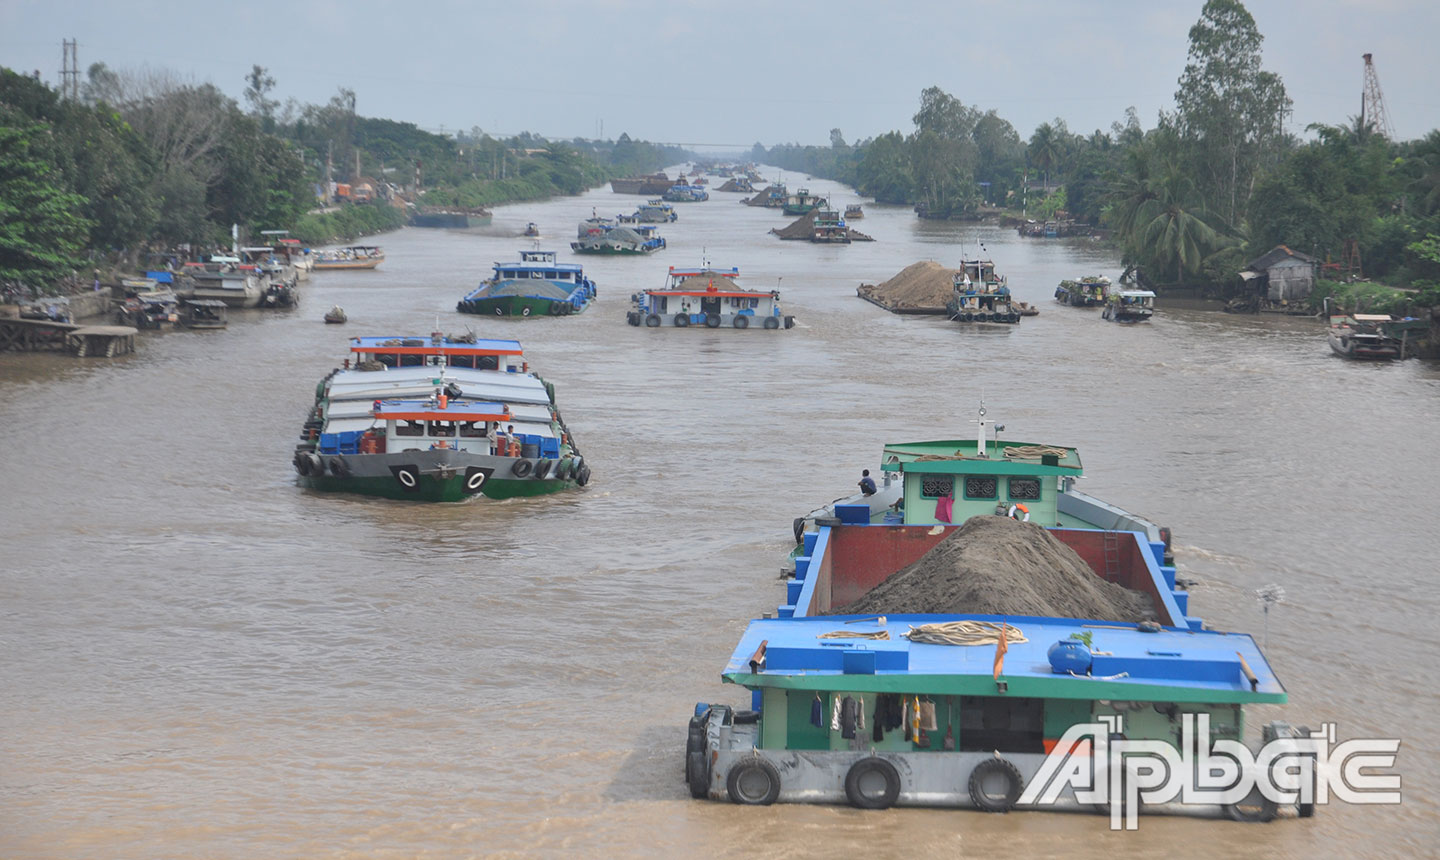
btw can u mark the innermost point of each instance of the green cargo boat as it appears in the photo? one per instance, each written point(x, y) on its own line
point(536, 286)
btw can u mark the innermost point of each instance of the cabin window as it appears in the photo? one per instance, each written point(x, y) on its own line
point(937, 486)
point(410, 428)
point(462, 361)
point(487, 362)
point(412, 361)
point(1001, 723)
point(664, 304)
point(385, 358)
point(472, 429)
point(981, 487)
point(1025, 489)
point(442, 428)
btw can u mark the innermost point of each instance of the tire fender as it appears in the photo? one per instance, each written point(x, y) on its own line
point(993, 771)
point(753, 782)
point(859, 787)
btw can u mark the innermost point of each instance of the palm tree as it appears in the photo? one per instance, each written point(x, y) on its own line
point(1045, 149)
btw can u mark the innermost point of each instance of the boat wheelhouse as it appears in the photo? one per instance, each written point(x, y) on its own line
point(655, 212)
point(828, 227)
point(351, 257)
point(1088, 292)
point(944, 710)
point(980, 295)
point(204, 313)
point(1129, 306)
point(536, 285)
point(776, 195)
point(854, 212)
point(437, 419)
point(802, 201)
point(707, 297)
point(686, 193)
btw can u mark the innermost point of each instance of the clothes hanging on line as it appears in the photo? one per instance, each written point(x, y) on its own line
point(835, 714)
point(817, 712)
point(847, 718)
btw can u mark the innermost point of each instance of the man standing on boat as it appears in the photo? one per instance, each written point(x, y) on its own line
point(867, 483)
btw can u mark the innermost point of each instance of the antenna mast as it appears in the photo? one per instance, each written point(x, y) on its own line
point(1372, 104)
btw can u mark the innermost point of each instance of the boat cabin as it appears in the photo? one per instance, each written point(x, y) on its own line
point(952, 481)
point(439, 351)
point(541, 266)
point(1137, 299)
point(433, 424)
point(693, 296)
point(204, 313)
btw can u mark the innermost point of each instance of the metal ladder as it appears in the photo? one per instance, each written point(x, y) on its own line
point(1112, 556)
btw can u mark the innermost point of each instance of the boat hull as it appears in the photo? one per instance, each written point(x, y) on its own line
point(431, 476)
point(524, 307)
point(450, 220)
point(612, 251)
point(349, 264)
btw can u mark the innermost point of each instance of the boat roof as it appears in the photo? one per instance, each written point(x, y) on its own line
point(958, 456)
point(429, 410)
point(732, 272)
point(1172, 665)
point(1137, 294)
point(537, 256)
point(428, 346)
point(206, 303)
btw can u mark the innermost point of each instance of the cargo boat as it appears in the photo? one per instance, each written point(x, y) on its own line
point(993, 708)
point(1129, 306)
point(980, 296)
point(1362, 336)
point(451, 218)
point(1088, 292)
point(535, 286)
point(620, 240)
point(654, 183)
point(225, 279)
point(802, 201)
point(436, 419)
point(706, 297)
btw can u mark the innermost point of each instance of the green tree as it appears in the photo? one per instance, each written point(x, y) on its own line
point(40, 234)
point(258, 84)
point(1046, 149)
point(1229, 112)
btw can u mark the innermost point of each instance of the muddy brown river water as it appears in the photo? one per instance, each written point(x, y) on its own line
point(202, 660)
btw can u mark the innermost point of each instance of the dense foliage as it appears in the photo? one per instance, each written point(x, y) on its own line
point(149, 161)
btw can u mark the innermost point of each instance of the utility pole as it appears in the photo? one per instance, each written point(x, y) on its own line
point(70, 69)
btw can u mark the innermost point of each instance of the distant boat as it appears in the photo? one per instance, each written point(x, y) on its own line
point(353, 257)
point(1361, 336)
point(532, 229)
point(451, 218)
point(854, 211)
point(335, 315)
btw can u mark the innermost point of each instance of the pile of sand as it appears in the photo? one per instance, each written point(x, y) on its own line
point(761, 198)
point(925, 284)
point(733, 185)
point(998, 566)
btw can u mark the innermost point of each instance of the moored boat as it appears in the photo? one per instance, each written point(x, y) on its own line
point(1087, 292)
point(1129, 306)
point(534, 286)
point(204, 313)
point(226, 279)
point(437, 419)
point(706, 297)
point(352, 257)
point(979, 295)
point(972, 710)
point(1362, 336)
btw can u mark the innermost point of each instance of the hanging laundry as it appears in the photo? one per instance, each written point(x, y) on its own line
point(927, 716)
point(835, 715)
point(944, 507)
point(860, 715)
point(949, 742)
point(847, 718)
point(817, 713)
point(915, 721)
point(923, 740)
point(878, 733)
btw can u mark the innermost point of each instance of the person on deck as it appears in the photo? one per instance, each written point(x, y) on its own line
point(867, 483)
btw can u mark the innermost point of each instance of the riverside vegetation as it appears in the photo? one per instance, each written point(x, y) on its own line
point(1214, 184)
point(147, 161)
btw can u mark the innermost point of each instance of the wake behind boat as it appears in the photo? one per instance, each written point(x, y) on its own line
point(437, 419)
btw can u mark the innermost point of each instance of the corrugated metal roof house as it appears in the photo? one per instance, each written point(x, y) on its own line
point(1287, 275)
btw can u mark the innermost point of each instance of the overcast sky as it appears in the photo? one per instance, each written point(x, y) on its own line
point(737, 72)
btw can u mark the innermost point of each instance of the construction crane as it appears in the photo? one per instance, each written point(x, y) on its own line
point(1372, 104)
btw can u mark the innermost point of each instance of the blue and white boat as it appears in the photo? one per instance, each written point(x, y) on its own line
point(536, 285)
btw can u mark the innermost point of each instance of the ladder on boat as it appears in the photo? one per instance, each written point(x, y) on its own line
point(1112, 556)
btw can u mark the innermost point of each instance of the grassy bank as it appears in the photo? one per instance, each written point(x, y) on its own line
point(1371, 298)
point(346, 224)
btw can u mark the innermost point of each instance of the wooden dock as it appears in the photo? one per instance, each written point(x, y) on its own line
point(81, 340)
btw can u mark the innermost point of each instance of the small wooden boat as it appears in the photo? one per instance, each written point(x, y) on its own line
point(353, 257)
point(335, 315)
point(532, 229)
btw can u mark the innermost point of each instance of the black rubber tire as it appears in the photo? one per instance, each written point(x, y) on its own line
point(990, 769)
point(339, 467)
point(681, 320)
point(860, 788)
point(555, 309)
point(799, 528)
point(772, 323)
point(789, 323)
point(697, 774)
point(712, 320)
point(542, 467)
point(302, 463)
point(741, 321)
point(525, 311)
point(317, 465)
point(583, 476)
point(562, 470)
point(652, 321)
point(1256, 807)
point(499, 312)
point(744, 786)
point(521, 468)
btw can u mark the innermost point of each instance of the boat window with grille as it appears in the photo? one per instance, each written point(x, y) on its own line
point(937, 486)
point(442, 428)
point(472, 429)
point(1025, 489)
point(487, 362)
point(412, 361)
point(385, 358)
point(462, 361)
point(981, 486)
point(410, 428)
